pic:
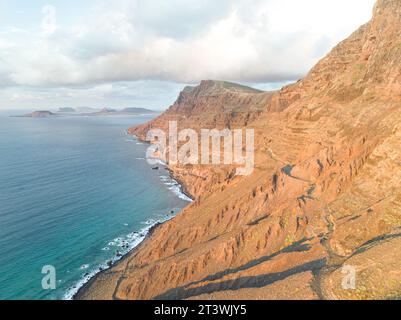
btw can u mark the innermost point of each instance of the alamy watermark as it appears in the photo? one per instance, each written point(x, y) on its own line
point(186, 147)
point(49, 280)
point(349, 278)
point(49, 21)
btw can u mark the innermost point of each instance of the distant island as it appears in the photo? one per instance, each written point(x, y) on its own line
point(88, 112)
point(67, 110)
point(40, 114)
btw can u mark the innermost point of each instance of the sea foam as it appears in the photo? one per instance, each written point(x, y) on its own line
point(123, 245)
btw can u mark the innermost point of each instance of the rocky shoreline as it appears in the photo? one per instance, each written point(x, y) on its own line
point(83, 291)
point(325, 188)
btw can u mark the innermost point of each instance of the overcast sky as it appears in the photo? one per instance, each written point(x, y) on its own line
point(140, 53)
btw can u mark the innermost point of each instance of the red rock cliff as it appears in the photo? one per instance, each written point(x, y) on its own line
point(326, 190)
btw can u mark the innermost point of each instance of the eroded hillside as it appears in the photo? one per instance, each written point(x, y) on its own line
point(326, 190)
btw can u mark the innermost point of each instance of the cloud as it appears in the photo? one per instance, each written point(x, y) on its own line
point(177, 19)
point(178, 41)
point(148, 94)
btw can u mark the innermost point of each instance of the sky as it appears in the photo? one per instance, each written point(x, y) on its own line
point(141, 53)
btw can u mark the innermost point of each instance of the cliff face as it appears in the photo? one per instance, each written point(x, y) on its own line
point(326, 190)
point(212, 104)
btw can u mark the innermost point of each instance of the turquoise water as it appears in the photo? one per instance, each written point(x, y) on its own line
point(74, 191)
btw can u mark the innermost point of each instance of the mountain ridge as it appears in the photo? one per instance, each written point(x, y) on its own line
point(325, 192)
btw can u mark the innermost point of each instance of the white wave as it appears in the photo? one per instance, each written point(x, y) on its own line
point(175, 187)
point(158, 161)
point(149, 222)
point(132, 240)
point(125, 245)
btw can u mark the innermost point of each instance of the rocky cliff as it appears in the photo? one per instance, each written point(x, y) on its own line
point(212, 104)
point(325, 193)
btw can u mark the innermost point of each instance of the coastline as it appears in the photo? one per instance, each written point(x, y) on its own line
point(80, 292)
point(81, 288)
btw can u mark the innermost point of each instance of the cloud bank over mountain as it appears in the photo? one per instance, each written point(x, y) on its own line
point(104, 49)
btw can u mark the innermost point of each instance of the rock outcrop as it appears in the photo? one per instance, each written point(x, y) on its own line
point(325, 193)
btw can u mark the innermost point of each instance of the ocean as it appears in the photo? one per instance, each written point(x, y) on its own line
point(75, 194)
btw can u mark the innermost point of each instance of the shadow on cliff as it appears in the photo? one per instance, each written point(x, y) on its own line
point(375, 241)
point(186, 292)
